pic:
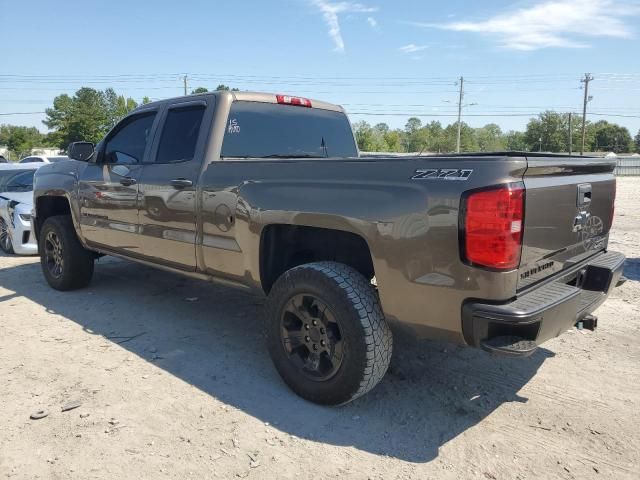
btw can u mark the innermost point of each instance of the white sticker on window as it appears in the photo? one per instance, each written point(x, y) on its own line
point(233, 126)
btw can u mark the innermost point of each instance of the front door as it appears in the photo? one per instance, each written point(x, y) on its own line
point(108, 188)
point(168, 185)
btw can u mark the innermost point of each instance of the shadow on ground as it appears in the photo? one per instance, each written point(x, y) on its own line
point(211, 337)
point(632, 269)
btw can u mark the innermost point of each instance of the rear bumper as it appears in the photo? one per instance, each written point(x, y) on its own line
point(547, 311)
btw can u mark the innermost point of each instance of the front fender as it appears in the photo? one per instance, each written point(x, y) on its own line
point(58, 180)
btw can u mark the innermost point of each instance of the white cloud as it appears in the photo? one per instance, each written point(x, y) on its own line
point(553, 23)
point(372, 22)
point(413, 48)
point(330, 12)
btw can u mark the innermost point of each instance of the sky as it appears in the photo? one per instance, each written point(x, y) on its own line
point(383, 60)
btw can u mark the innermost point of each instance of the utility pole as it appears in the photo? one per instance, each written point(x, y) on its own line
point(185, 85)
point(570, 133)
point(587, 78)
point(460, 112)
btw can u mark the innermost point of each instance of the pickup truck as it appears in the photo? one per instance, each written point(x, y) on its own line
point(500, 251)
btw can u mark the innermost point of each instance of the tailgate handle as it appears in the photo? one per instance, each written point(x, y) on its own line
point(584, 195)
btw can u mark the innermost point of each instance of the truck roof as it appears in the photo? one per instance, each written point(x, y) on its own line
point(261, 97)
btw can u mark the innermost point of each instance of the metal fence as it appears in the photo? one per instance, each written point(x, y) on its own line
point(628, 166)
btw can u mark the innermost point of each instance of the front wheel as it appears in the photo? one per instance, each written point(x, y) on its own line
point(5, 237)
point(66, 264)
point(326, 333)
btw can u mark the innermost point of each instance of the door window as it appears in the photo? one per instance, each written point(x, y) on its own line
point(180, 134)
point(128, 144)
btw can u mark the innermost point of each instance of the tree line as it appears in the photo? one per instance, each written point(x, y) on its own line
point(86, 115)
point(89, 114)
point(548, 132)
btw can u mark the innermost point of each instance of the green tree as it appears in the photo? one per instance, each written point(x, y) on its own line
point(416, 137)
point(636, 140)
point(435, 137)
point(203, 90)
point(516, 141)
point(490, 139)
point(610, 137)
point(468, 142)
point(394, 141)
point(117, 106)
point(225, 87)
point(88, 115)
point(365, 137)
point(145, 100)
point(20, 140)
point(550, 133)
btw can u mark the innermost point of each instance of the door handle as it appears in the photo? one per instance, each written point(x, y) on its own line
point(127, 181)
point(181, 183)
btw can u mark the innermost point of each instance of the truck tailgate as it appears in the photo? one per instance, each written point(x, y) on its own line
point(568, 213)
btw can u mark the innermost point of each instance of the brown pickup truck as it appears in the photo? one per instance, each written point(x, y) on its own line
point(500, 251)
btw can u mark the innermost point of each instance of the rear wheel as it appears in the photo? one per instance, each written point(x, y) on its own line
point(66, 264)
point(5, 237)
point(326, 333)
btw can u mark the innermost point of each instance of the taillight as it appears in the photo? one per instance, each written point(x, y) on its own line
point(288, 100)
point(492, 227)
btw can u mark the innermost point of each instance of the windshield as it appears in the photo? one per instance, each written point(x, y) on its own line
point(16, 181)
point(266, 130)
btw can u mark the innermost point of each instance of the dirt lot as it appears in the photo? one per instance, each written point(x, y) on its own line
point(175, 382)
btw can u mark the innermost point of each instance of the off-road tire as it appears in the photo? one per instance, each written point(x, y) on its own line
point(77, 266)
point(6, 245)
point(354, 302)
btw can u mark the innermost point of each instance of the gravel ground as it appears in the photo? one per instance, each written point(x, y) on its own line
point(174, 381)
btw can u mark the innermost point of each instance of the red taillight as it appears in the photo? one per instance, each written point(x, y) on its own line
point(288, 100)
point(493, 227)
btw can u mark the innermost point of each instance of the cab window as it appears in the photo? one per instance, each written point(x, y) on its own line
point(128, 144)
point(180, 134)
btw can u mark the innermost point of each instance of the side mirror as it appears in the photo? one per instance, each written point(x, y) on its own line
point(80, 151)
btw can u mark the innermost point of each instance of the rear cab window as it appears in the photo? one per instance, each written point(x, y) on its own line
point(266, 130)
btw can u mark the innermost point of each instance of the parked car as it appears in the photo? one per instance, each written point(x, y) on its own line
point(500, 251)
point(43, 159)
point(16, 202)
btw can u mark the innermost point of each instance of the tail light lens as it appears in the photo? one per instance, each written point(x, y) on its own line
point(493, 223)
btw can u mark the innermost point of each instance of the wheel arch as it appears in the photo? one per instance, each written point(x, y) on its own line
point(49, 205)
point(285, 246)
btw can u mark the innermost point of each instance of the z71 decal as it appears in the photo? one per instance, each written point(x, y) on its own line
point(442, 174)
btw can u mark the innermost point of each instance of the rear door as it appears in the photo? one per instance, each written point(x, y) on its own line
point(168, 184)
point(568, 213)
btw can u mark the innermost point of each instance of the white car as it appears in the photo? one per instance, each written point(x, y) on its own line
point(16, 201)
point(43, 159)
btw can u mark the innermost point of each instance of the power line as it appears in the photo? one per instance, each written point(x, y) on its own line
point(21, 113)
